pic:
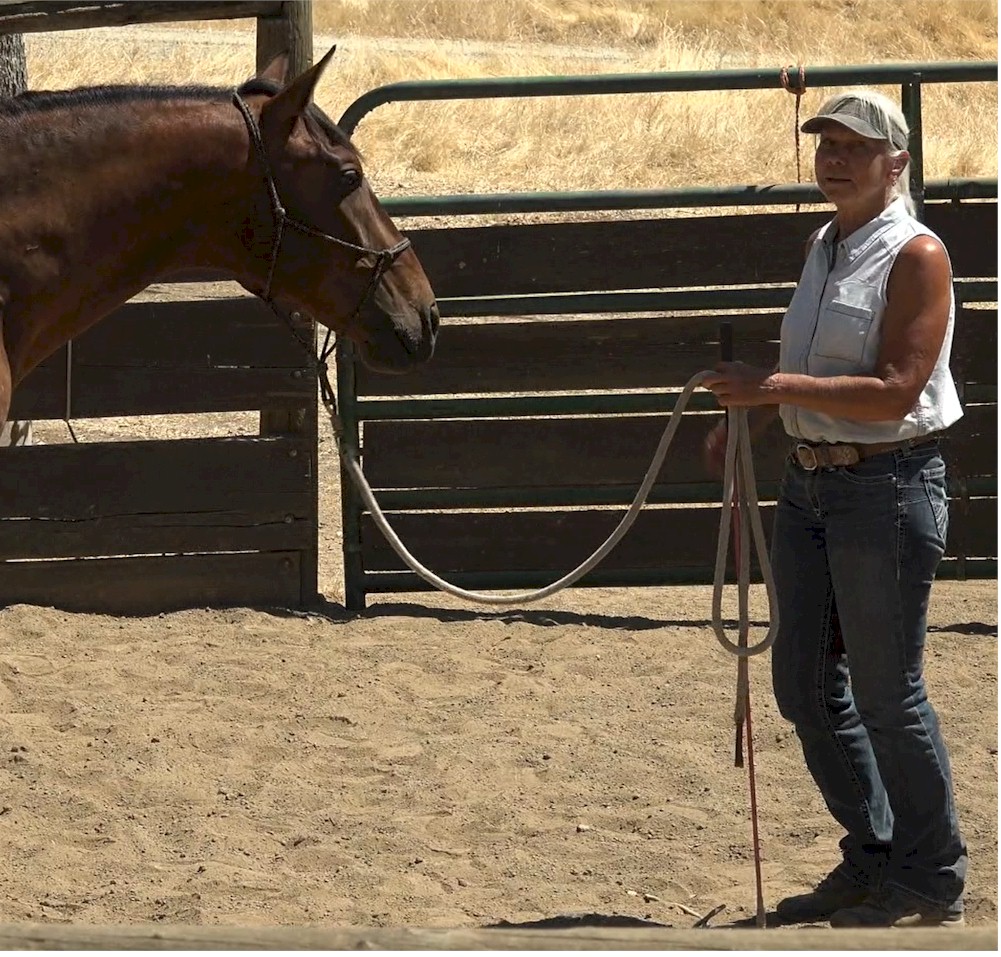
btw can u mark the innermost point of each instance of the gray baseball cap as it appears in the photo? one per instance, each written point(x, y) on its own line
point(862, 116)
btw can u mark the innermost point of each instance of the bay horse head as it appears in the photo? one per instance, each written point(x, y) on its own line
point(329, 249)
point(105, 190)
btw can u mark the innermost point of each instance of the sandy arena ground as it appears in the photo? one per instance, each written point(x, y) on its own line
point(426, 763)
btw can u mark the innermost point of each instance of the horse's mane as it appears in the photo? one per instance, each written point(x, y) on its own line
point(40, 101)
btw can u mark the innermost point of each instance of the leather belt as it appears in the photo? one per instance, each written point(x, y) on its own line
point(811, 456)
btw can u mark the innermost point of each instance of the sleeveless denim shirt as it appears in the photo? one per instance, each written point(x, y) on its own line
point(833, 326)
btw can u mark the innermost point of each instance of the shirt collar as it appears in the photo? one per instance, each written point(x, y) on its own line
point(863, 237)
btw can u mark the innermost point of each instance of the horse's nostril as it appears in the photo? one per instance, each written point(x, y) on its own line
point(433, 318)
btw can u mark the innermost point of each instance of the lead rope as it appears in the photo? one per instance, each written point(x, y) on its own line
point(744, 491)
point(353, 468)
point(743, 494)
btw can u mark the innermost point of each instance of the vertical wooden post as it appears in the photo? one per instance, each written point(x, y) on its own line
point(351, 502)
point(292, 33)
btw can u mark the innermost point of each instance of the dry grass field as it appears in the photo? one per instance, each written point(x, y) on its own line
point(584, 143)
point(427, 763)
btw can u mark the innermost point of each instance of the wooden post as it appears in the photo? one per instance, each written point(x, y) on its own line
point(351, 501)
point(292, 33)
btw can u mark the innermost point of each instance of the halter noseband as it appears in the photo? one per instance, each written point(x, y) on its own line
point(384, 258)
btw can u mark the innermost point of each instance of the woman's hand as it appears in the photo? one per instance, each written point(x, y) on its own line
point(734, 383)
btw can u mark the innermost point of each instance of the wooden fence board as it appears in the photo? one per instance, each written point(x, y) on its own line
point(970, 233)
point(970, 447)
point(285, 525)
point(620, 353)
point(100, 392)
point(614, 254)
point(554, 541)
point(975, 346)
point(593, 936)
point(35, 16)
point(623, 353)
point(218, 355)
point(43, 394)
point(194, 333)
point(605, 450)
point(600, 450)
point(152, 584)
point(557, 541)
point(252, 475)
point(663, 252)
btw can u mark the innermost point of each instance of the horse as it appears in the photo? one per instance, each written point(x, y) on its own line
point(105, 190)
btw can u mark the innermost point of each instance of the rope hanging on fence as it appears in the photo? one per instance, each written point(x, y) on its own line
point(740, 433)
point(798, 90)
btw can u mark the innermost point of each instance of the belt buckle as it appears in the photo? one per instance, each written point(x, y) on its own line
point(806, 455)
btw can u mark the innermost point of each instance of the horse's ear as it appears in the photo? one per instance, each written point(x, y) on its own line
point(279, 115)
point(277, 69)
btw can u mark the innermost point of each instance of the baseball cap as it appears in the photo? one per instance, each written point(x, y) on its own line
point(863, 116)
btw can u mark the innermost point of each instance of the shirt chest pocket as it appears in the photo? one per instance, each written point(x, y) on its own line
point(843, 331)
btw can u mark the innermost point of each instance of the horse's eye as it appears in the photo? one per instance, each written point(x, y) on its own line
point(351, 179)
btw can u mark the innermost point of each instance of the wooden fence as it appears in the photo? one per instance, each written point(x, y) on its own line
point(130, 527)
point(565, 341)
point(512, 487)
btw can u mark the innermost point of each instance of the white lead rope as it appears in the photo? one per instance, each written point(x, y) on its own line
point(738, 447)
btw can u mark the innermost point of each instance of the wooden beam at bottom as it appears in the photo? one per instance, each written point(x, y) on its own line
point(35, 16)
point(147, 585)
point(180, 937)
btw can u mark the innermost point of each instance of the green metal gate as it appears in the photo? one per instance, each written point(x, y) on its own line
point(508, 271)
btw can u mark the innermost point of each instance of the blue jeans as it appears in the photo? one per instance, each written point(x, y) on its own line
point(854, 552)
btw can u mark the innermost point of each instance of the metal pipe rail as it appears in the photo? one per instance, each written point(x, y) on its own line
point(471, 204)
point(910, 77)
point(666, 82)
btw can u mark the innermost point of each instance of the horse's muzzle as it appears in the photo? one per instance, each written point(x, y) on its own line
point(402, 343)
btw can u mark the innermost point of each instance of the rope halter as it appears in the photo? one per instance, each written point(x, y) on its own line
point(384, 258)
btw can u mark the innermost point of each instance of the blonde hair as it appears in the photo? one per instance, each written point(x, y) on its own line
point(883, 115)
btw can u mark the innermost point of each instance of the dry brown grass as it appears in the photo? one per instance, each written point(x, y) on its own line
point(591, 142)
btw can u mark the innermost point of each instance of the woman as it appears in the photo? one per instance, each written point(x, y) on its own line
point(863, 387)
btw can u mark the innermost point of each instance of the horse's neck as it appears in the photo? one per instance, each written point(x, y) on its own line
point(140, 181)
point(98, 213)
